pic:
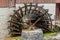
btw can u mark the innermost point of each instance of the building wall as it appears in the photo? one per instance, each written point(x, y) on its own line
point(57, 1)
point(9, 3)
point(4, 18)
point(3, 3)
point(38, 1)
point(6, 3)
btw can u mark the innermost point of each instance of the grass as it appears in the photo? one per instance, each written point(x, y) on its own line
point(17, 38)
point(50, 34)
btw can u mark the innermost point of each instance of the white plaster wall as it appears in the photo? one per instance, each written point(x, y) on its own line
point(4, 17)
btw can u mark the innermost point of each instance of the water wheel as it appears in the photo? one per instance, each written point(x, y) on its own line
point(30, 16)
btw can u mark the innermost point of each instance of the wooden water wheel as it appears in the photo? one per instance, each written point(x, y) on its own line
point(30, 16)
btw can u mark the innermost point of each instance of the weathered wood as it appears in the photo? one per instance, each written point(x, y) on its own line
point(36, 15)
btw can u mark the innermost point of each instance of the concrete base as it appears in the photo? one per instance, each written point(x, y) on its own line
point(32, 35)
